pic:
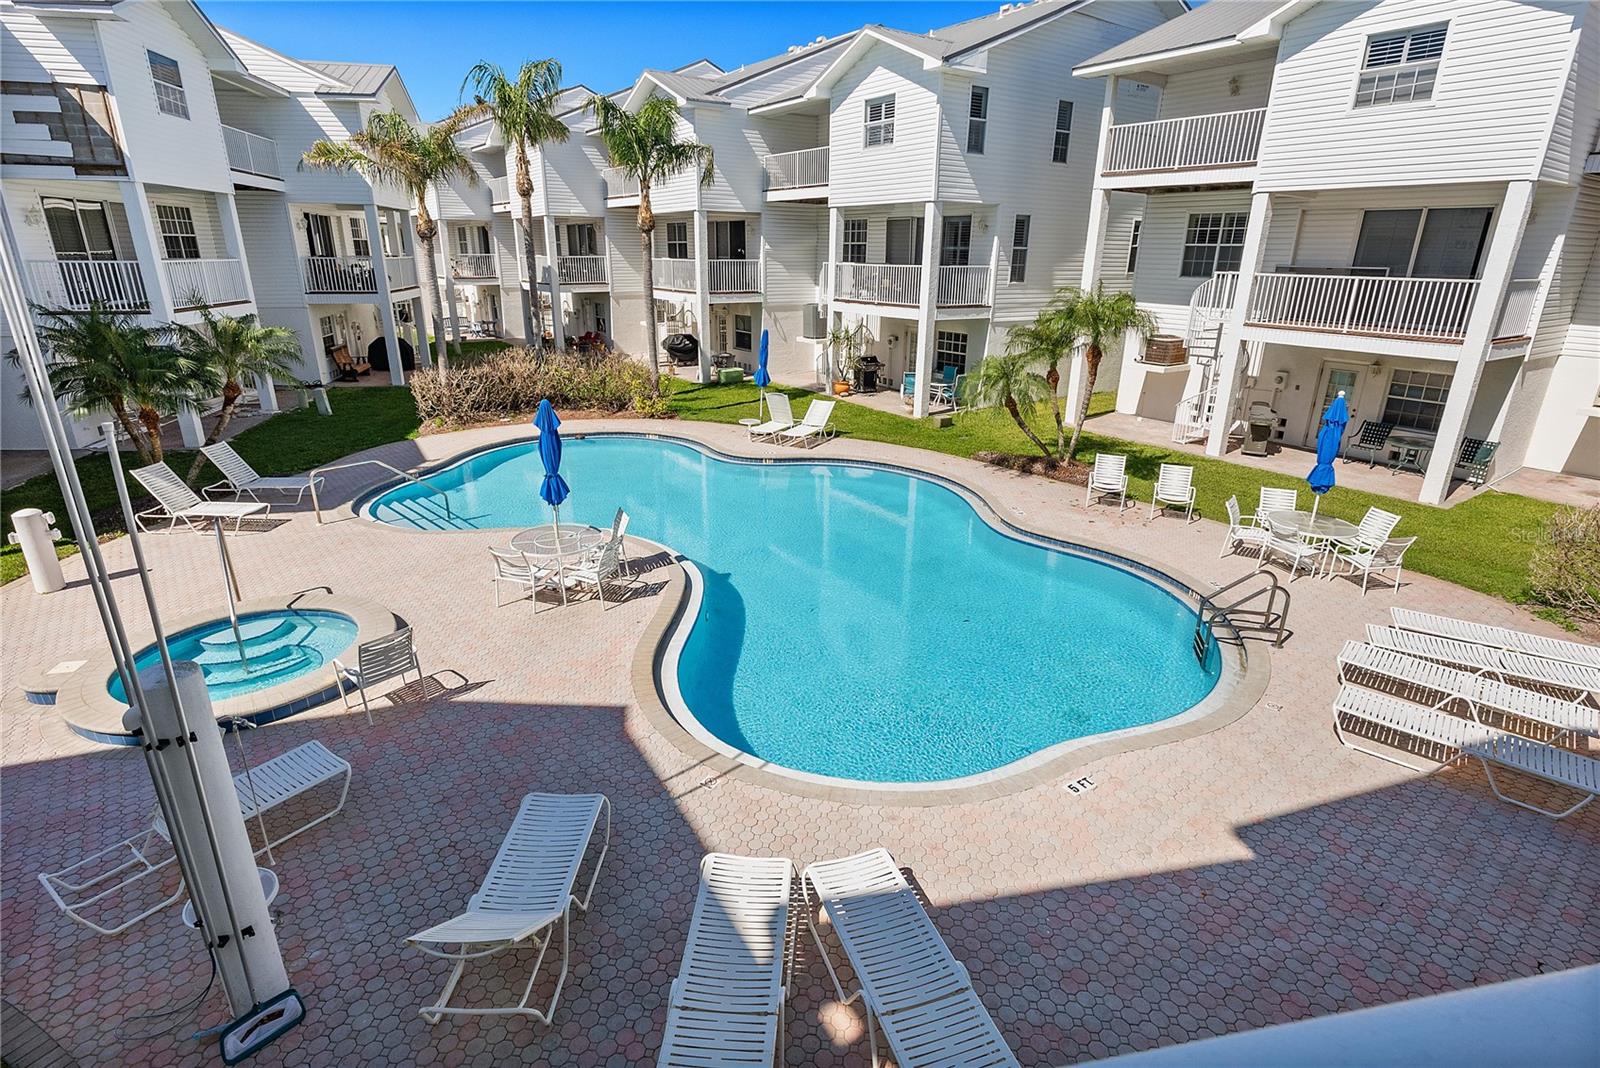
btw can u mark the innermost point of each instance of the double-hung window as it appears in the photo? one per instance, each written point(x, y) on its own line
point(1019, 247)
point(880, 121)
point(977, 119)
point(1416, 400)
point(743, 329)
point(178, 238)
point(855, 241)
point(359, 245)
point(950, 351)
point(1063, 141)
point(1214, 241)
point(169, 85)
point(1133, 245)
point(1400, 67)
point(677, 240)
point(955, 246)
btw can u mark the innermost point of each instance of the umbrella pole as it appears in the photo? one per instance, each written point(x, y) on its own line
point(1316, 502)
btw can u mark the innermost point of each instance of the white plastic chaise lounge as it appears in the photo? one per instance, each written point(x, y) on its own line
point(239, 478)
point(179, 503)
point(813, 428)
point(1109, 477)
point(1174, 489)
point(913, 988)
point(530, 889)
point(1515, 641)
point(780, 417)
point(77, 889)
point(726, 1005)
point(1515, 667)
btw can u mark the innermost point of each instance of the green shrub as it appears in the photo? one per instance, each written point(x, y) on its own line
point(1564, 572)
point(505, 384)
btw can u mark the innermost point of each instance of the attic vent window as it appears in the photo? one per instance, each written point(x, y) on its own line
point(169, 85)
point(1400, 67)
point(880, 121)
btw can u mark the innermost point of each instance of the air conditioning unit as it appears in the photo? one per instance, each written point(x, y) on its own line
point(813, 321)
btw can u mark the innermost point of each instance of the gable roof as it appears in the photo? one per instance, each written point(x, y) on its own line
point(357, 79)
point(1218, 23)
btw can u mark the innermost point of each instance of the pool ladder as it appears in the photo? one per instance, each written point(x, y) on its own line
point(316, 506)
point(1243, 614)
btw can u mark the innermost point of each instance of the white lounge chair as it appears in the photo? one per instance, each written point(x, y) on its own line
point(529, 889)
point(1174, 489)
point(1242, 530)
point(79, 888)
point(1515, 641)
point(1273, 499)
point(239, 478)
point(1109, 476)
point(515, 569)
point(596, 571)
point(780, 417)
point(726, 1005)
point(178, 503)
point(814, 427)
point(913, 988)
point(1519, 668)
point(393, 656)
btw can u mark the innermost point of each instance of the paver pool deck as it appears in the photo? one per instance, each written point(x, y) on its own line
point(1253, 875)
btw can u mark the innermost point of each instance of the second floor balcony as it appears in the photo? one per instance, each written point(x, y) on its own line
point(956, 286)
point(1223, 141)
point(499, 192)
point(74, 285)
point(797, 175)
point(621, 188)
point(356, 274)
point(213, 282)
point(581, 270)
point(722, 276)
point(465, 265)
point(1418, 309)
point(251, 154)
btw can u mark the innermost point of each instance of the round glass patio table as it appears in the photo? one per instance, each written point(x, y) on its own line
point(552, 540)
point(1322, 529)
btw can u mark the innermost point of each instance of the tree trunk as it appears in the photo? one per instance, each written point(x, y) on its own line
point(1053, 376)
point(151, 421)
point(430, 295)
point(135, 434)
point(529, 252)
point(1091, 360)
point(1016, 414)
point(231, 391)
point(647, 224)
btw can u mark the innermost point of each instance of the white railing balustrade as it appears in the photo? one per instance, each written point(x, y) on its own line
point(341, 274)
point(196, 282)
point(674, 274)
point(251, 153)
point(1516, 314)
point(1209, 304)
point(797, 170)
point(472, 264)
point(879, 283)
point(578, 270)
point(734, 276)
point(963, 287)
point(1424, 308)
point(1228, 139)
point(619, 183)
point(73, 285)
point(402, 271)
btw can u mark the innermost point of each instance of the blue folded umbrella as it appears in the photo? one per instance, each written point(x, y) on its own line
point(554, 489)
point(1334, 420)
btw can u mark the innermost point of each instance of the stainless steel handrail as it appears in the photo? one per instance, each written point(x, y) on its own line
point(316, 505)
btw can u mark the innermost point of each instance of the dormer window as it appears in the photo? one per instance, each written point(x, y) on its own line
point(169, 85)
point(1400, 67)
point(880, 121)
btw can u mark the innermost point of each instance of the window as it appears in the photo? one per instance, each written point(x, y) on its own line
point(950, 350)
point(1213, 242)
point(1133, 245)
point(169, 85)
point(977, 119)
point(1019, 248)
point(742, 331)
point(1422, 242)
point(178, 239)
point(904, 244)
point(855, 241)
point(79, 229)
point(581, 240)
point(1416, 400)
point(1400, 67)
point(677, 240)
point(1058, 152)
point(955, 244)
point(319, 235)
point(880, 121)
point(332, 330)
point(359, 245)
point(727, 239)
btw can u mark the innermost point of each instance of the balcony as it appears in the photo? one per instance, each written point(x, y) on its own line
point(674, 274)
point(581, 270)
point(879, 283)
point(401, 272)
point(1415, 309)
point(473, 265)
point(796, 175)
point(963, 287)
point(499, 192)
point(1230, 139)
point(621, 188)
point(73, 285)
point(341, 274)
point(250, 153)
point(197, 282)
point(1516, 314)
point(734, 276)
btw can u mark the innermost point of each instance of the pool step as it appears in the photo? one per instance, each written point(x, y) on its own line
point(271, 659)
point(252, 630)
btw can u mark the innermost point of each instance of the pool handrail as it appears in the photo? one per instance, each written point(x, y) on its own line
point(316, 505)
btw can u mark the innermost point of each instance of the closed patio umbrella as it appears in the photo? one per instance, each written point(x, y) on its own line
point(762, 377)
point(1321, 478)
point(554, 489)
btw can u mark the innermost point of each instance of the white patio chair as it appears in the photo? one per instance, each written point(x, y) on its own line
point(1286, 542)
point(530, 888)
point(1174, 489)
point(1520, 668)
point(514, 568)
point(596, 571)
point(619, 531)
point(912, 987)
point(394, 656)
point(1242, 530)
point(238, 477)
point(178, 503)
point(814, 427)
point(1374, 530)
point(780, 417)
point(86, 889)
point(1516, 641)
point(1109, 476)
point(1273, 499)
point(726, 1005)
point(1386, 556)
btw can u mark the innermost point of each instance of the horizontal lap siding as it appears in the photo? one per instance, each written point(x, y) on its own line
point(1166, 217)
point(1573, 135)
point(738, 147)
point(1229, 87)
point(270, 248)
point(42, 50)
point(202, 209)
point(895, 172)
point(572, 175)
point(1330, 223)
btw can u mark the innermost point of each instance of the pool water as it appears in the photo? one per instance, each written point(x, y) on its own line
point(858, 623)
point(278, 646)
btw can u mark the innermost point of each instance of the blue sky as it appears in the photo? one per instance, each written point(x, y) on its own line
point(602, 44)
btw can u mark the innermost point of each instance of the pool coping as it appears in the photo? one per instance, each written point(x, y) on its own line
point(1243, 679)
point(89, 710)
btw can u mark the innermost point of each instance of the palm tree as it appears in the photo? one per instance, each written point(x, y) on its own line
point(1045, 342)
point(392, 150)
point(524, 111)
point(644, 145)
point(235, 348)
point(101, 360)
point(1095, 319)
point(1010, 381)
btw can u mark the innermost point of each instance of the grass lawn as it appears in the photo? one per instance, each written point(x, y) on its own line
point(285, 444)
point(1483, 543)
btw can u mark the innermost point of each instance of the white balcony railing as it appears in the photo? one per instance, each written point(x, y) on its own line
point(578, 270)
point(797, 170)
point(73, 285)
point(963, 287)
point(1516, 314)
point(472, 264)
point(499, 191)
point(1434, 309)
point(1228, 139)
point(196, 282)
point(674, 274)
point(619, 184)
point(1209, 304)
point(402, 271)
point(879, 283)
point(734, 276)
point(340, 274)
point(251, 153)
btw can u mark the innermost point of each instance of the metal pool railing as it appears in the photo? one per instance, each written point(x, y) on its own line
point(316, 505)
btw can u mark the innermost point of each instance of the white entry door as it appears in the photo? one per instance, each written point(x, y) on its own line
point(1336, 377)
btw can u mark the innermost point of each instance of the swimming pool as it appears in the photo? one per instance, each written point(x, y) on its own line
point(855, 621)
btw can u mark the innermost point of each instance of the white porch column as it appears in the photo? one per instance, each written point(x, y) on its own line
point(419, 337)
point(928, 308)
point(449, 284)
point(267, 391)
point(1231, 350)
point(830, 282)
point(391, 337)
point(148, 247)
point(702, 290)
point(1100, 203)
point(1497, 263)
point(191, 426)
point(552, 269)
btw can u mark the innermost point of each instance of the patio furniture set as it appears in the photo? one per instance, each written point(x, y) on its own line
point(1174, 486)
point(780, 425)
point(562, 558)
point(1411, 450)
point(1322, 543)
point(943, 392)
